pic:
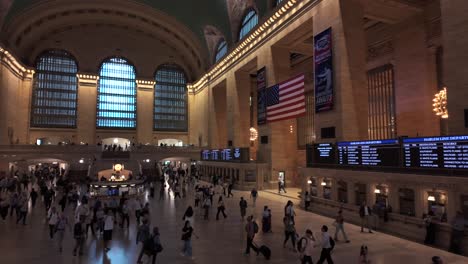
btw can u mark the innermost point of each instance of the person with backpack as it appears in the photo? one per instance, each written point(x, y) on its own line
point(33, 196)
point(254, 195)
point(243, 207)
point(339, 224)
point(187, 232)
point(327, 246)
point(60, 228)
point(78, 234)
point(289, 232)
point(142, 235)
point(305, 246)
point(152, 246)
point(221, 208)
point(251, 228)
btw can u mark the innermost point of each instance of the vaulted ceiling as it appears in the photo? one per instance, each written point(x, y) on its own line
point(184, 31)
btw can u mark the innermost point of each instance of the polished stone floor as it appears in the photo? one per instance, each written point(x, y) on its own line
point(220, 241)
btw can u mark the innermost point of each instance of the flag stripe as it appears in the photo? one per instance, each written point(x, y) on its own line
point(291, 89)
point(292, 81)
point(288, 107)
point(295, 100)
point(292, 95)
point(287, 116)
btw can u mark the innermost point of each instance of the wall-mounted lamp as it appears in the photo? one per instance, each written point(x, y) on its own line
point(309, 182)
point(323, 183)
point(377, 191)
point(431, 198)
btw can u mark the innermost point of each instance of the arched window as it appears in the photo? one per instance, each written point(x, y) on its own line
point(170, 99)
point(221, 50)
point(250, 21)
point(116, 100)
point(55, 90)
point(278, 2)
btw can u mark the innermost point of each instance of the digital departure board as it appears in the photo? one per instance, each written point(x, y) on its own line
point(450, 152)
point(369, 153)
point(324, 153)
point(226, 155)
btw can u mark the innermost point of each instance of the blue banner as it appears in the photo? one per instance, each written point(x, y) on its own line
point(323, 59)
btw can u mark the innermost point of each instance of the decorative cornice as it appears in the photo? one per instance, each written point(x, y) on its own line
point(87, 79)
point(251, 42)
point(145, 84)
point(13, 64)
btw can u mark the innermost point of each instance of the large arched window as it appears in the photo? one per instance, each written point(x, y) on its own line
point(278, 2)
point(55, 90)
point(221, 50)
point(250, 21)
point(116, 102)
point(170, 99)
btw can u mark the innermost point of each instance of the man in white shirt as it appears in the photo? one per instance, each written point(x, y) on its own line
point(326, 247)
point(108, 227)
point(365, 212)
point(308, 245)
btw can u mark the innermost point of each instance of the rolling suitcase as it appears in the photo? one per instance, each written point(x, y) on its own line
point(265, 251)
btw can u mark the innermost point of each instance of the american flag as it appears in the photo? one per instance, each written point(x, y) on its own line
point(286, 100)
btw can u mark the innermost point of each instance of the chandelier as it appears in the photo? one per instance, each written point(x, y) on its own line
point(253, 134)
point(440, 103)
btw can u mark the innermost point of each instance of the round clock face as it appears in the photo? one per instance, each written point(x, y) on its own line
point(118, 167)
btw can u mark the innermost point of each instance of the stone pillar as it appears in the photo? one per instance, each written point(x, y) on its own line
point(334, 189)
point(24, 109)
point(238, 111)
point(87, 102)
point(414, 89)
point(145, 105)
point(455, 43)
point(420, 201)
point(393, 197)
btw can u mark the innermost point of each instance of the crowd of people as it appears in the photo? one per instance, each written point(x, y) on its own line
point(100, 216)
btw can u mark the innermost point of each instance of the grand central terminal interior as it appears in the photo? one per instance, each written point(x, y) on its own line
point(144, 120)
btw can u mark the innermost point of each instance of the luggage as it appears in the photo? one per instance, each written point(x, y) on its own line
point(265, 251)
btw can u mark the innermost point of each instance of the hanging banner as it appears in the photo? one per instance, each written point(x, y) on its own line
point(323, 58)
point(261, 96)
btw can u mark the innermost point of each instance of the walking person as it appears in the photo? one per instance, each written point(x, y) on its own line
point(307, 199)
point(243, 207)
point(137, 207)
point(142, 236)
point(430, 228)
point(289, 210)
point(152, 246)
point(60, 228)
point(53, 219)
point(306, 246)
point(327, 247)
point(458, 229)
point(365, 213)
point(188, 215)
point(281, 186)
point(33, 194)
point(187, 232)
point(289, 232)
point(230, 186)
point(251, 228)
point(206, 207)
point(23, 208)
point(221, 208)
point(78, 234)
point(177, 191)
point(339, 224)
point(161, 191)
point(108, 228)
point(253, 196)
point(266, 220)
point(125, 215)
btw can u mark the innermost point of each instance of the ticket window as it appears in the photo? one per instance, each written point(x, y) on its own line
point(313, 186)
point(437, 203)
point(381, 195)
point(464, 205)
point(407, 201)
point(327, 189)
point(360, 190)
point(342, 192)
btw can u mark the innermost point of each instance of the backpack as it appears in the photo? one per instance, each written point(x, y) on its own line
point(77, 230)
point(255, 226)
point(332, 243)
point(301, 244)
point(143, 233)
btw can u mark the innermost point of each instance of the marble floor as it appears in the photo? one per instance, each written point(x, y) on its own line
point(220, 241)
